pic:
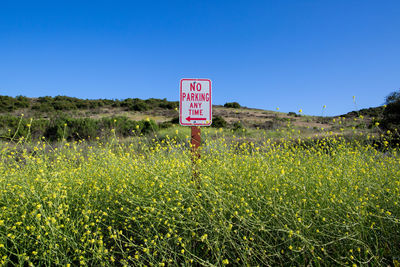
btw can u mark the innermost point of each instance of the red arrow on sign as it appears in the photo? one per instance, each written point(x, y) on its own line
point(195, 119)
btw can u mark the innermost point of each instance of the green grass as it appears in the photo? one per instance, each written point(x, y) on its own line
point(258, 203)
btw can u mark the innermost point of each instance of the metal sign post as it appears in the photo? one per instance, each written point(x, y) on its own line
point(195, 142)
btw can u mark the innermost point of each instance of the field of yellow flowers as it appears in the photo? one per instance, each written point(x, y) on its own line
point(287, 202)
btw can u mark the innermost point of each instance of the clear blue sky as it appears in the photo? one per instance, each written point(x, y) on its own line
point(263, 54)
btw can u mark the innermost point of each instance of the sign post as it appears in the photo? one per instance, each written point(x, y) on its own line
point(195, 110)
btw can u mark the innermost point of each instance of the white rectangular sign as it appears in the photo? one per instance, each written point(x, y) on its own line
point(195, 107)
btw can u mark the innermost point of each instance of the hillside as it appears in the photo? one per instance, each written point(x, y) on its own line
point(48, 116)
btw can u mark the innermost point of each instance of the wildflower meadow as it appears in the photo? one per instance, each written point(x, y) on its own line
point(326, 201)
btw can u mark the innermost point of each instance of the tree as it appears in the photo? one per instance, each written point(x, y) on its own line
point(391, 114)
point(232, 105)
point(393, 97)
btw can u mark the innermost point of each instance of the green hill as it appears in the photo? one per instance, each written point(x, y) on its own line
point(74, 118)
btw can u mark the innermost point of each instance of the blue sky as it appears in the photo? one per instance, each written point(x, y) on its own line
point(263, 54)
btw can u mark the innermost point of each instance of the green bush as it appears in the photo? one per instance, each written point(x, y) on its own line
point(232, 105)
point(45, 99)
point(294, 114)
point(86, 128)
point(38, 128)
point(21, 102)
point(148, 126)
point(12, 126)
point(8, 103)
point(138, 106)
point(134, 104)
point(218, 122)
point(64, 105)
point(165, 125)
point(175, 120)
point(56, 130)
point(84, 104)
point(116, 104)
point(370, 112)
point(391, 114)
point(44, 107)
point(169, 105)
point(122, 125)
point(47, 104)
point(16, 127)
point(238, 126)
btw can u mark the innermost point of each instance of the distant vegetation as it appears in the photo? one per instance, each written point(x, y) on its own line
point(218, 122)
point(391, 114)
point(51, 117)
point(64, 127)
point(232, 105)
point(294, 114)
point(387, 116)
point(8, 103)
point(65, 103)
point(70, 118)
point(376, 112)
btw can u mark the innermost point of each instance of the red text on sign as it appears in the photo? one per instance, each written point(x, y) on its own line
point(195, 85)
point(196, 97)
point(195, 105)
point(196, 112)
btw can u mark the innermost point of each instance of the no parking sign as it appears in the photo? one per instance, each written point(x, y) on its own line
point(195, 107)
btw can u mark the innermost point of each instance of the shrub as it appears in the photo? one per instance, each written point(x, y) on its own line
point(45, 107)
point(370, 112)
point(12, 126)
point(168, 105)
point(21, 102)
point(8, 103)
point(391, 114)
point(147, 126)
point(84, 104)
point(82, 128)
point(48, 104)
point(232, 105)
point(86, 128)
point(164, 125)
point(393, 97)
point(38, 128)
point(45, 99)
point(64, 105)
point(134, 104)
point(218, 122)
point(56, 130)
point(323, 120)
point(116, 104)
point(138, 106)
point(175, 120)
point(238, 126)
point(122, 125)
point(267, 125)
